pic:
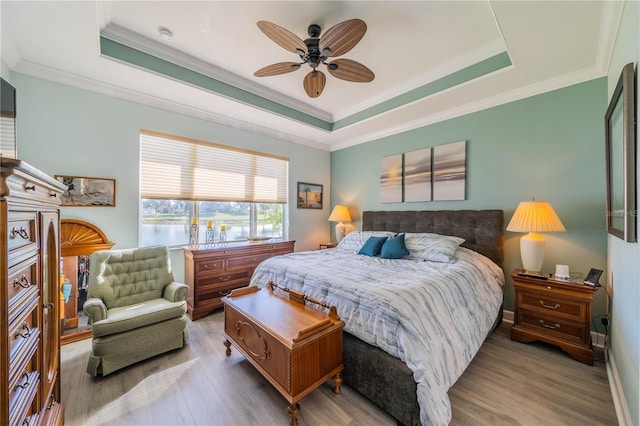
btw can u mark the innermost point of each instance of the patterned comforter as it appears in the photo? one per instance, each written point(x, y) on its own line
point(433, 316)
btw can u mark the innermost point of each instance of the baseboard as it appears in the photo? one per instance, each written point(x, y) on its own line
point(622, 410)
point(620, 404)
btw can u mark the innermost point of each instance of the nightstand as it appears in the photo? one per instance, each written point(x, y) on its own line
point(329, 245)
point(555, 312)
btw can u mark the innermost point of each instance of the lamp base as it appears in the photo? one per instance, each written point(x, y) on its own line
point(532, 251)
point(340, 231)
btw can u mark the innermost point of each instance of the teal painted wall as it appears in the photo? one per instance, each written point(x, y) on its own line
point(624, 258)
point(68, 131)
point(548, 146)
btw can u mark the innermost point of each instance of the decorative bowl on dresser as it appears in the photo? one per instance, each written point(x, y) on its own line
point(30, 303)
point(212, 271)
point(555, 312)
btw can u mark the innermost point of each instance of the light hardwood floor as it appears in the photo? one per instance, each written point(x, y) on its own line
point(507, 383)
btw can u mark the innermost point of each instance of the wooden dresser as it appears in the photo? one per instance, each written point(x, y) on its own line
point(295, 346)
point(211, 272)
point(554, 312)
point(30, 301)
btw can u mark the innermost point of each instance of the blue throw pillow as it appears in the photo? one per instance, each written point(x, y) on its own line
point(372, 246)
point(394, 248)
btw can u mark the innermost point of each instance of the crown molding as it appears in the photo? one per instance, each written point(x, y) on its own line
point(81, 82)
point(136, 41)
point(609, 26)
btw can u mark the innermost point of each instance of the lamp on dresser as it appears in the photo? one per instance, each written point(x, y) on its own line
point(533, 217)
point(340, 214)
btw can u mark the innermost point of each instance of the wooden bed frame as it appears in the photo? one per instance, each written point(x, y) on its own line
point(384, 379)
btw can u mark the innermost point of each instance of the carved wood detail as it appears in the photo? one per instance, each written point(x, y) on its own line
point(78, 238)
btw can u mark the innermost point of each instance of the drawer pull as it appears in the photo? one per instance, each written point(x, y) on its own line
point(53, 402)
point(556, 306)
point(53, 194)
point(24, 385)
point(28, 187)
point(553, 327)
point(26, 421)
point(209, 267)
point(23, 282)
point(224, 293)
point(22, 233)
point(48, 305)
point(25, 326)
point(224, 278)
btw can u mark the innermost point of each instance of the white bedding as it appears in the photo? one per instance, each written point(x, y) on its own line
point(433, 316)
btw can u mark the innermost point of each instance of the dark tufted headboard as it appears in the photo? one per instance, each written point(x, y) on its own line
point(481, 229)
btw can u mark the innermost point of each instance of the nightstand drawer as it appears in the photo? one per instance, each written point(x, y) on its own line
point(554, 327)
point(546, 303)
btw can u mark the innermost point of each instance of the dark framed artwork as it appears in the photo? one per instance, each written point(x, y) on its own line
point(88, 191)
point(620, 137)
point(309, 195)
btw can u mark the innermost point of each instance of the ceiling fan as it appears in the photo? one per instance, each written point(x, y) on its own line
point(316, 50)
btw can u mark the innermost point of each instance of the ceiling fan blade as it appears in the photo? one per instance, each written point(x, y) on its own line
point(314, 83)
point(277, 69)
point(351, 71)
point(284, 38)
point(342, 37)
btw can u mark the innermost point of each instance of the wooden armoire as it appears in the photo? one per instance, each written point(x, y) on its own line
point(30, 297)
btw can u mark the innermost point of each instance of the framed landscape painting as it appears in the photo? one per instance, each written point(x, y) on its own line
point(309, 195)
point(88, 191)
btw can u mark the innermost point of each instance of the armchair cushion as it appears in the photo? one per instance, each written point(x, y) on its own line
point(139, 315)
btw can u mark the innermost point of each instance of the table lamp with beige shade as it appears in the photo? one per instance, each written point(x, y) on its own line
point(340, 214)
point(533, 217)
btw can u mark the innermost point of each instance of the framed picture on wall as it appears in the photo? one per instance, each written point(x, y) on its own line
point(620, 137)
point(309, 195)
point(88, 191)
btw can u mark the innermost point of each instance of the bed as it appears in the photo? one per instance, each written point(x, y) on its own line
point(411, 326)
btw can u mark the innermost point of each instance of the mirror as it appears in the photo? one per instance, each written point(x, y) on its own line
point(78, 239)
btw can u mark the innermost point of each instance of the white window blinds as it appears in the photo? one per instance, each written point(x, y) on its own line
point(176, 168)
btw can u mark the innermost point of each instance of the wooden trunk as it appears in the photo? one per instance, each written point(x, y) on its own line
point(295, 346)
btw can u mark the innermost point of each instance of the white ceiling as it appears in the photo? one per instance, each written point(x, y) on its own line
point(408, 45)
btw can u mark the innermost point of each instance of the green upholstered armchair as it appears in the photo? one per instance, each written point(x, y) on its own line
point(135, 309)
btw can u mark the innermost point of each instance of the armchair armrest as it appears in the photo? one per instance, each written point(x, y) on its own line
point(175, 292)
point(95, 309)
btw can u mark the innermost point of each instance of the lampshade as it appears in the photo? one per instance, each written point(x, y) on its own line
point(532, 217)
point(340, 214)
point(535, 216)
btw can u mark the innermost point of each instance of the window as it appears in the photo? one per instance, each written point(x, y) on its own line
point(182, 179)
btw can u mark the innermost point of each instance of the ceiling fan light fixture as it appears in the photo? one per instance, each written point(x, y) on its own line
point(315, 50)
point(165, 33)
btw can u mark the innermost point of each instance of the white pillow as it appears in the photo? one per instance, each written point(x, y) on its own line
point(432, 247)
point(355, 240)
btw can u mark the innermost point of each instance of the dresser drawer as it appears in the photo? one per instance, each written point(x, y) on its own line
point(21, 231)
point(555, 327)
point(208, 282)
point(22, 283)
point(213, 295)
point(24, 335)
point(546, 303)
point(22, 397)
point(246, 261)
point(208, 267)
